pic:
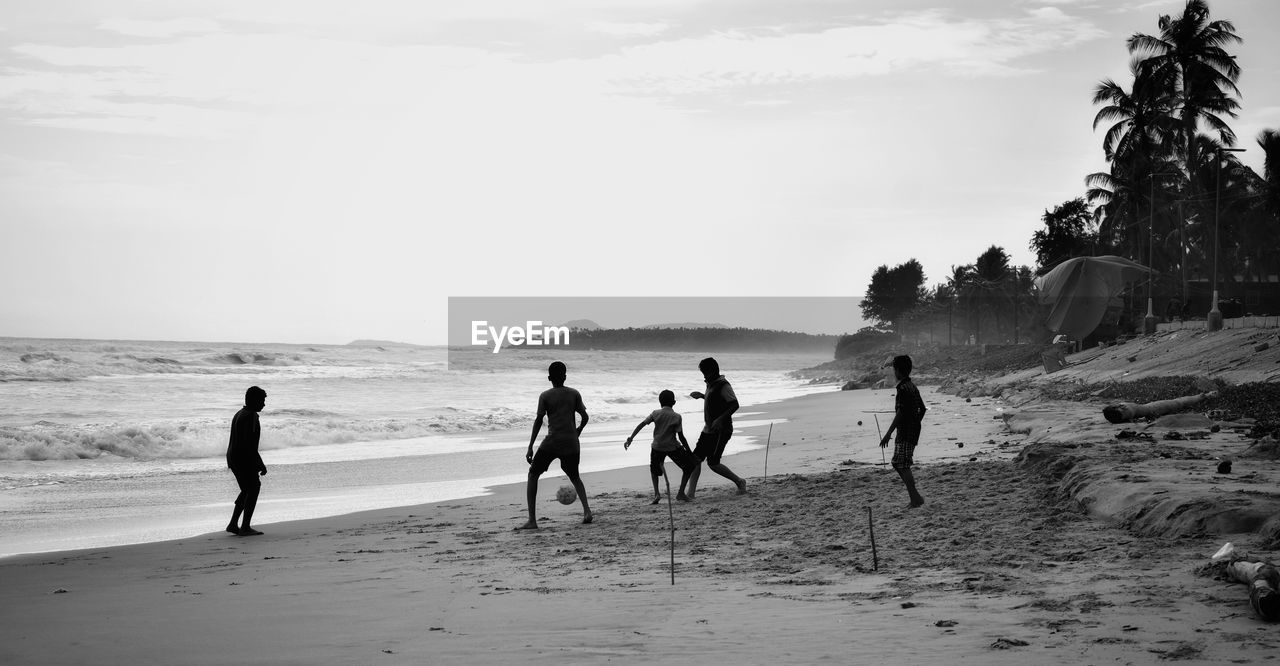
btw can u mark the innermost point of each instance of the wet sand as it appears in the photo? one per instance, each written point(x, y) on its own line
point(997, 567)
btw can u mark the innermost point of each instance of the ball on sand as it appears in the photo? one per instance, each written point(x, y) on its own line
point(859, 422)
point(567, 495)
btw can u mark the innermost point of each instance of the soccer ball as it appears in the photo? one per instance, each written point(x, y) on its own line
point(567, 495)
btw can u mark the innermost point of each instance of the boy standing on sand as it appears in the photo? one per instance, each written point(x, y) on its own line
point(717, 412)
point(244, 461)
point(668, 442)
point(558, 405)
point(908, 412)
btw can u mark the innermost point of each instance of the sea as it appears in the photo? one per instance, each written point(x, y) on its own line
point(108, 442)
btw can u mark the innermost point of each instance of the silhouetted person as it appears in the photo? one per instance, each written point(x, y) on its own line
point(557, 405)
point(244, 461)
point(717, 413)
point(908, 412)
point(668, 442)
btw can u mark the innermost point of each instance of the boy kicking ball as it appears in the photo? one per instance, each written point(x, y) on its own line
point(668, 442)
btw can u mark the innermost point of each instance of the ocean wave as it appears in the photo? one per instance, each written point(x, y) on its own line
point(43, 357)
point(253, 358)
point(206, 439)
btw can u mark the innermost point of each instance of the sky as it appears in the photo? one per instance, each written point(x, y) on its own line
point(320, 171)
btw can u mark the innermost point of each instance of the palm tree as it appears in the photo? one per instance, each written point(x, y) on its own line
point(1116, 207)
point(1269, 141)
point(1260, 233)
point(1141, 126)
point(1189, 61)
point(990, 277)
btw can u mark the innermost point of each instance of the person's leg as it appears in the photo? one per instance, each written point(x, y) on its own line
point(688, 465)
point(902, 461)
point(541, 461)
point(246, 502)
point(250, 503)
point(568, 462)
point(713, 461)
point(655, 470)
point(531, 495)
point(234, 526)
point(705, 447)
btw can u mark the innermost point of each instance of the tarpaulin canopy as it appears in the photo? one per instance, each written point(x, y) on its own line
point(1078, 291)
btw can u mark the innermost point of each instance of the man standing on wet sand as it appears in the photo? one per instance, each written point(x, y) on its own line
point(717, 412)
point(559, 406)
point(244, 461)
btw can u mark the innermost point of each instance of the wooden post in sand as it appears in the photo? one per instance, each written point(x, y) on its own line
point(875, 559)
point(671, 514)
point(879, 438)
point(766, 449)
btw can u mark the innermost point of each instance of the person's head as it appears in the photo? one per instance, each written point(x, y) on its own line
point(557, 372)
point(902, 366)
point(666, 398)
point(709, 367)
point(255, 398)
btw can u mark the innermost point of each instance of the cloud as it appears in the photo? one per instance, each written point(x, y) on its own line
point(628, 29)
point(166, 28)
point(922, 41)
point(202, 81)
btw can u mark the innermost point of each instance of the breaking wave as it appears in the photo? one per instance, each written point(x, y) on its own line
point(205, 439)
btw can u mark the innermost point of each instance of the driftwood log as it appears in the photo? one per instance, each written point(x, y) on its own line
point(1264, 586)
point(1127, 412)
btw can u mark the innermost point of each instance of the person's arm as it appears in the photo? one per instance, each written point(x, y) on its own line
point(582, 410)
point(257, 440)
point(537, 425)
point(647, 420)
point(683, 442)
point(729, 410)
point(231, 441)
point(893, 425)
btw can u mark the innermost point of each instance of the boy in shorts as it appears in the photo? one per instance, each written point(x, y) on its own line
point(668, 442)
point(908, 412)
point(557, 405)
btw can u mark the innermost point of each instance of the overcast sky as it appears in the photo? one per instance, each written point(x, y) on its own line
point(320, 171)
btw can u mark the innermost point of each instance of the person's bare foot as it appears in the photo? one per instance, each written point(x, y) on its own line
point(530, 525)
point(742, 487)
point(249, 531)
point(656, 499)
point(586, 518)
point(233, 529)
point(916, 504)
point(684, 498)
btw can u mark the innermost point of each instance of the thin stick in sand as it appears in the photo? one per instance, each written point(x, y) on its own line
point(879, 439)
point(671, 514)
point(766, 449)
point(875, 559)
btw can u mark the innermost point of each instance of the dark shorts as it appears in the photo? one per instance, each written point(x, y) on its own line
point(680, 457)
point(568, 453)
point(711, 445)
point(247, 478)
point(904, 448)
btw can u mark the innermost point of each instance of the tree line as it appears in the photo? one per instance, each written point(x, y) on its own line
point(1175, 197)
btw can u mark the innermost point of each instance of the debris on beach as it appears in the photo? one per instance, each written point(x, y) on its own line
point(1262, 577)
point(1128, 412)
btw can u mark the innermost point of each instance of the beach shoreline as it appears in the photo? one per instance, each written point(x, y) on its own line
point(994, 569)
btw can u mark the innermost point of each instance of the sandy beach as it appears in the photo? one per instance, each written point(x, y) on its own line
point(1000, 566)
